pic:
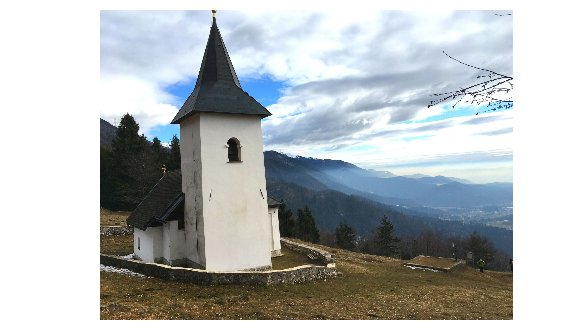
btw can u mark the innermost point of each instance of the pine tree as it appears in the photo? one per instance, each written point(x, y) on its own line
point(306, 228)
point(175, 155)
point(127, 141)
point(480, 247)
point(107, 179)
point(129, 170)
point(286, 222)
point(385, 242)
point(161, 155)
point(146, 170)
point(345, 237)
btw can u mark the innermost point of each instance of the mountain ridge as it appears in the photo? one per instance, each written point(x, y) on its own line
point(438, 191)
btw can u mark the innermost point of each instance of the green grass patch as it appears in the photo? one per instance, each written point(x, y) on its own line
point(290, 259)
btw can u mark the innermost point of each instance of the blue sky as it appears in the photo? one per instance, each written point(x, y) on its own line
point(265, 90)
point(339, 85)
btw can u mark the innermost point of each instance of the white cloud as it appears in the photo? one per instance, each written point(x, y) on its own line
point(149, 105)
point(353, 80)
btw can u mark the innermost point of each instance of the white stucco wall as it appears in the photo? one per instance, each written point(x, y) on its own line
point(276, 234)
point(237, 233)
point(173, 242)
point(194, 245)
point(151, 243)
point(166, 245)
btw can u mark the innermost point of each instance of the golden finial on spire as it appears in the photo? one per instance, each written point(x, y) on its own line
point(214, 13)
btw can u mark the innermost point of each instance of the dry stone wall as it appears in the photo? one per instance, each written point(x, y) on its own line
point(315, 254)
point(116, 230)
point(294, 275)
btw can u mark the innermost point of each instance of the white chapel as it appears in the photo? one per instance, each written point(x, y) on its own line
point(215, 213)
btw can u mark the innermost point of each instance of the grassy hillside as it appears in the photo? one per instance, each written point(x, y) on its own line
point(113, 218)
point(330, 208)
point(371, 287)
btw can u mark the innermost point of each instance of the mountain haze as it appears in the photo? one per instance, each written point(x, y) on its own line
point(438, 191)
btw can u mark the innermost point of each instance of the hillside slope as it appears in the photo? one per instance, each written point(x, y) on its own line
point(107, 133)
point(371, 287)
point(331, 208)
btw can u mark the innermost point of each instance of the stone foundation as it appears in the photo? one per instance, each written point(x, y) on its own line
point(294, 275)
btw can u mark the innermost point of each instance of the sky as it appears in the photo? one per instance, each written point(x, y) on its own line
point(340, 84)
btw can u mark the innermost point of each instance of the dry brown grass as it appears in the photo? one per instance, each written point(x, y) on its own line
point(117, 245)
point(113, 218)
point(371, 287)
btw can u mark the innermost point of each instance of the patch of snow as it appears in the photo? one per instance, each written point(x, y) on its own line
point(130, 256)
point(413, 267)
point(122, 271)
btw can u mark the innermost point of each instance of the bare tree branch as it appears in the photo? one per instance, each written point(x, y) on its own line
point(490, 91)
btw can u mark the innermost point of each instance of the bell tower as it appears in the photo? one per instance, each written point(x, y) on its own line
point(222, 166)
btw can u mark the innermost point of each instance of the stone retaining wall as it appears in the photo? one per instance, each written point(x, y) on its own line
point(116, 230)
point(323, 257)
point(294, 275)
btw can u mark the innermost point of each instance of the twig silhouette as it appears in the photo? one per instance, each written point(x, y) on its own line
point(488, 91)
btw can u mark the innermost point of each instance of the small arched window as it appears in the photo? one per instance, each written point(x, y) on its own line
point(234, 150)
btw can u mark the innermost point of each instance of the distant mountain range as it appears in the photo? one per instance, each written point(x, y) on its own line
point(330, 208)
point(423, 191)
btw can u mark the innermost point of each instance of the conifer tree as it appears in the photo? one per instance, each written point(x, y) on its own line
point(107, 179)
point(306, 228)
point(385, 242)
point(286, 222)
point(161, 155)
point(130, 170)
point(127, 141)
point(146, 171)
point(345, 237)
point(480, 247)
point(175, 154)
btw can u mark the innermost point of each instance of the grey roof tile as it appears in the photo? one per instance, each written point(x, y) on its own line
point(156, 208)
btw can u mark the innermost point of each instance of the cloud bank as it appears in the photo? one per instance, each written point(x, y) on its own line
point(353, 87)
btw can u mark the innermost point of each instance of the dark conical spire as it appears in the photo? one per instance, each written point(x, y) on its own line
point(216, 64)
point(218, 88)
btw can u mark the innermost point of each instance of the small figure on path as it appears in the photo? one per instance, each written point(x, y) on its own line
point(481, 265)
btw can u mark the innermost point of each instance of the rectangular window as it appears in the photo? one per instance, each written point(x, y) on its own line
point(139, 242)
